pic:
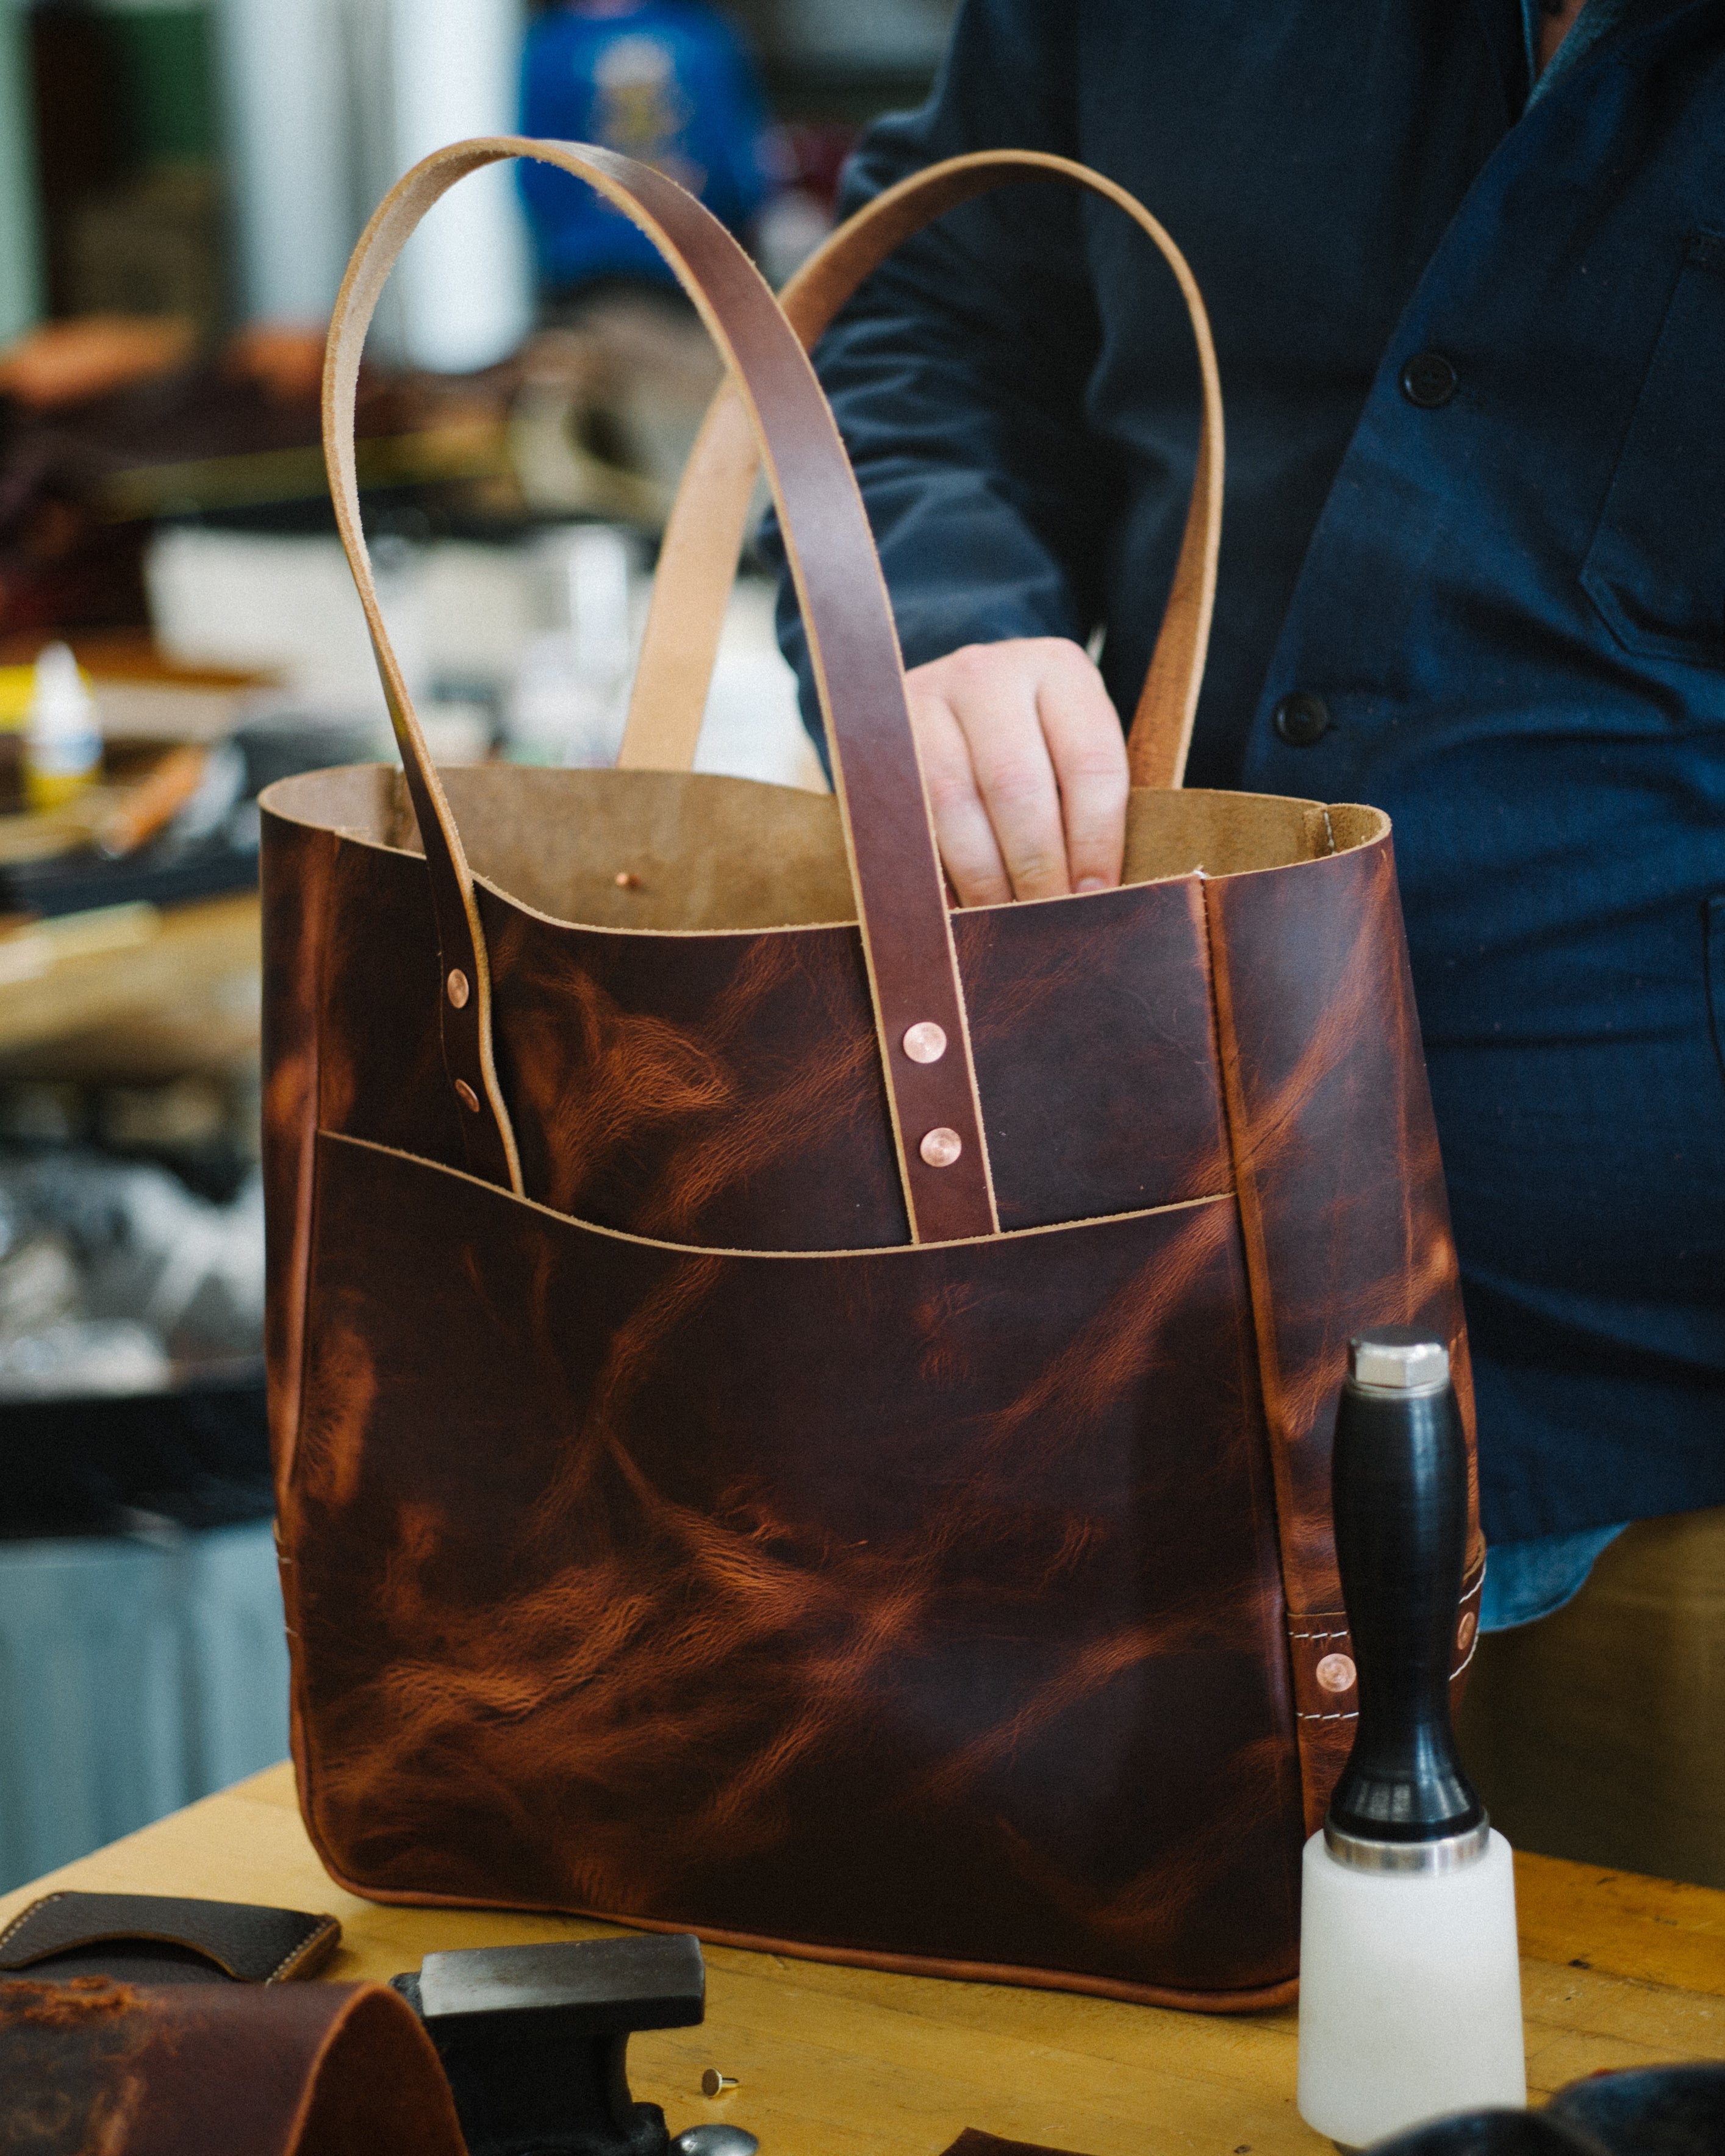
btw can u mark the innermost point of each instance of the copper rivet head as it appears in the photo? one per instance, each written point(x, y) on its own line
point(941, 1147)
point(1466, 1629)
point(627, 880)
point(714, 2083)
point(925, 1043)
point(466, 1095)
point(1336, 1673)
point(458, 990)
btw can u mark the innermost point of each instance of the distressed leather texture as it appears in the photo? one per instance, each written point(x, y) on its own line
point(859, 1601)
point(219, 2070)
point(686, 1527)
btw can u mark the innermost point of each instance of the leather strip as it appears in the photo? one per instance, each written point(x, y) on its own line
point(237, 1940)
point(889, 832)
point(1326, 1715)
point(295, 873)
point(973, 2142)
point(704, 536)
point(1343, 1219)
point(221, 2070)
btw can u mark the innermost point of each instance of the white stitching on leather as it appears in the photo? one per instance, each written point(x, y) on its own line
point(295, 1953)
point(24, 1915)
point(298, 1953)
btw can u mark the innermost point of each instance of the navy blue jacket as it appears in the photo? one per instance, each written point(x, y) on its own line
point(1510, 597)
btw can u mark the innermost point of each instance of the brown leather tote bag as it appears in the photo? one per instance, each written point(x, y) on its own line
point(800, 1414)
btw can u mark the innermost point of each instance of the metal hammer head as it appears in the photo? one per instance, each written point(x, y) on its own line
point(534, 2039)
point(595, 1987)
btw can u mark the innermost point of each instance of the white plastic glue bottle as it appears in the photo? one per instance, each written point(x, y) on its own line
point(1410, 1996)
point(63, 742)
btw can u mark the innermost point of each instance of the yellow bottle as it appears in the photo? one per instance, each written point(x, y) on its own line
point(17, 685)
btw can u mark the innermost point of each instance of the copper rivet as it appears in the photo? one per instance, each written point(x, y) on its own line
point(714, 2083)
point(466, 1093)
point(925, 1043)
point(941, 1147)
point(1466, 1629)
point(1336, 1673)
point(457, 986)
point(628, 881)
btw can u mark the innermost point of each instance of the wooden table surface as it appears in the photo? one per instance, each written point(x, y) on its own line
point(1617, 1971)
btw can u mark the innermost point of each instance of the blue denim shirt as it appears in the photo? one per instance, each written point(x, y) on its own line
point(1512, 602)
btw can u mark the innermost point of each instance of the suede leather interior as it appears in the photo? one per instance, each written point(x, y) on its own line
point(707, 853)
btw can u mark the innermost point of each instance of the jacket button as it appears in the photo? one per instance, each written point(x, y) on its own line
point(1428, 380)
point(1302, 719)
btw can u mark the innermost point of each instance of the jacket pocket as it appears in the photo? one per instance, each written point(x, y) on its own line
point(1656, 569)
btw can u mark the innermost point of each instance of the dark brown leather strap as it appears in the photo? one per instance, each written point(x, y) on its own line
point(901, 896)
point(702, 540)
point(161, 1938)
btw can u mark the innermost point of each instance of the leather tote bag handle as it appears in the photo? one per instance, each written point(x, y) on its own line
point(697, 562)
point(896, 871)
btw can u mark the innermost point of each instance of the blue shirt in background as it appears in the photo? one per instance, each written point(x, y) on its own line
point(669, 82)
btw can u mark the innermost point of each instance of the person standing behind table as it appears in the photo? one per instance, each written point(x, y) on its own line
point(1465, 261)
point(667, 81)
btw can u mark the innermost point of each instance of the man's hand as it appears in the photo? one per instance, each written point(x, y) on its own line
point(1025, 763)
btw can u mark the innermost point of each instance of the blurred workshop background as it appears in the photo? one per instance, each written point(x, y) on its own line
point(181, 181)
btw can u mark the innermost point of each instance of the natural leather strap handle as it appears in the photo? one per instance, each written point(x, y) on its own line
point(697, 562)
point(907, 933)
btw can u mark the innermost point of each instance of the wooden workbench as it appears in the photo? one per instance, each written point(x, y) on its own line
point(1618, 1971)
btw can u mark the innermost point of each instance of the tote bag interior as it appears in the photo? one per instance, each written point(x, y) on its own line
point(690, 852)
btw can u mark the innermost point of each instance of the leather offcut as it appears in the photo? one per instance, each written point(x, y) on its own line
point(158, 1938)
point(220, 2069)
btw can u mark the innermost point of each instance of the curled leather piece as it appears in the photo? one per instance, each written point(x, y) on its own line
point(1647, 2111)
point(971, 2143)
point(161, 1938)
point(219, 2070)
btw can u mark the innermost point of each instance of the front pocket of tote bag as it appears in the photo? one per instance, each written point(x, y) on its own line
point(1656, 570)
point(919, 1601)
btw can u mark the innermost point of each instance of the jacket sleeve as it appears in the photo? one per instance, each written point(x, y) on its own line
point(958, 373)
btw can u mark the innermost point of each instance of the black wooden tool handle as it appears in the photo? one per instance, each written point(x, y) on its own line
point(1400, 1495)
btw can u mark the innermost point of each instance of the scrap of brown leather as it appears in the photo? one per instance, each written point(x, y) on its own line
point(219, 2069)
point(972, 2143)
